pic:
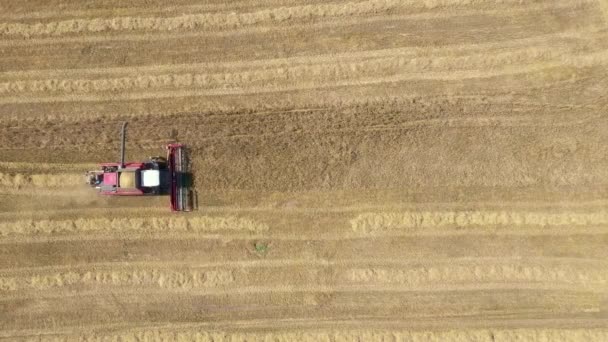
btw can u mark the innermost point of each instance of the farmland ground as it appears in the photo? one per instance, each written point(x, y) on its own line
point(380, 170)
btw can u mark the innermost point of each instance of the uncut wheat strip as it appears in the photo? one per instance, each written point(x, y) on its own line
point(339, 77)
point(211, 21)
point(191, 224)
point(372, 223)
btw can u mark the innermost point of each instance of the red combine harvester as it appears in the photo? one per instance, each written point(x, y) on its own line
point(156, 176)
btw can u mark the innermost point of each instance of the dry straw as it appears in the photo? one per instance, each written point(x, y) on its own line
point(386, 222)
point(166, 279)
point(223, 20)
point(506, 273)
point(370, 335)
point(137, 225)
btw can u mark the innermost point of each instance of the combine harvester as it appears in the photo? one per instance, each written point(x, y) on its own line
point(156, 176)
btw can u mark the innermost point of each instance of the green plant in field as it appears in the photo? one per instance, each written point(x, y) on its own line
point(261, 247)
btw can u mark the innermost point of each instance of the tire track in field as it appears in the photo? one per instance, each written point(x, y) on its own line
point(436, 104)
point(211, 21)
point(383, 62)
point(384, 71)
point(255, 128)
point(566, 40)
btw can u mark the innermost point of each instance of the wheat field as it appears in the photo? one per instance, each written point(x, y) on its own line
point(366, 170)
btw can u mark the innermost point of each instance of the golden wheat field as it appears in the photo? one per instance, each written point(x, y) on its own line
point(366, 170)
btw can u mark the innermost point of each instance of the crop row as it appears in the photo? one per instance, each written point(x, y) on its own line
point(511, 273)
point(166, 279)
point(370, 335)
point(139, 225)
point(399, 221)
point(223, 20)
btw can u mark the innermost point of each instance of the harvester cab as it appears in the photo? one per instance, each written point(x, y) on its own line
point(155, 176)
